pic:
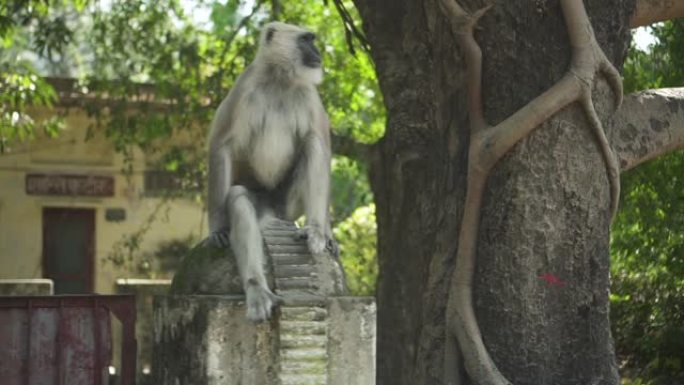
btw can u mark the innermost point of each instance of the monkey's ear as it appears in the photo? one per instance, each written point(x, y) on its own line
point(269, 34)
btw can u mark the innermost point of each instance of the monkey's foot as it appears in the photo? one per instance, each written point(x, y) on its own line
point(219, 239)
point(315, 238)
point(260, 301)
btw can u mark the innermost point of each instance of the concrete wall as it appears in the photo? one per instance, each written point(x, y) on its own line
point(36, 286)
point(206, 340)
point(21, 214)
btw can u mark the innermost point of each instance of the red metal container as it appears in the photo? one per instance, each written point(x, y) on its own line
point(64, 340)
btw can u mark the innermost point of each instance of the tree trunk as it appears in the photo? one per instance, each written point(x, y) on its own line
point(546, 211)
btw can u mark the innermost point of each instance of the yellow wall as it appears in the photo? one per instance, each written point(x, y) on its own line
point(21, 214)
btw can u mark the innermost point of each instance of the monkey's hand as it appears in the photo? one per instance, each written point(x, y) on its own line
point(260, 301)
point(219, 239)
point(315, 238)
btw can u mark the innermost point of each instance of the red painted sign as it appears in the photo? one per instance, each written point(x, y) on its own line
point(551, 279)
point(70, 185)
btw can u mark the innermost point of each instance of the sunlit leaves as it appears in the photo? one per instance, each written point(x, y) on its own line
point(21, 89)
point(663, 64)
point(46, 28)
point(20, 13)
point(224, 17)
point(52, 35)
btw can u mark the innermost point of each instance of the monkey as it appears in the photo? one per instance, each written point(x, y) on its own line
point(269, 156)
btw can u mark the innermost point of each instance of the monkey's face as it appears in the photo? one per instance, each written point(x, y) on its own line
point(309, 53)
point(292, 49)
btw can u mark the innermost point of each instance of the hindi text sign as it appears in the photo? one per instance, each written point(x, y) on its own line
point(70, 185)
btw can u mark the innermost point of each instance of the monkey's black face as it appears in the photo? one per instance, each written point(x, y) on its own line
point(310, 55)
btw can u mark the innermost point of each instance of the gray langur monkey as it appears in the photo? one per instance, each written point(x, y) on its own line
point(269, 155)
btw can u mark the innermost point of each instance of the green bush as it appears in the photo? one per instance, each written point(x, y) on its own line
point(357, 237)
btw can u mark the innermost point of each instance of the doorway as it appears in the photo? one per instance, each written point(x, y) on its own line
point(69, 249)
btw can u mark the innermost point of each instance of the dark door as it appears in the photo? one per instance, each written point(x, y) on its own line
point(68, 249)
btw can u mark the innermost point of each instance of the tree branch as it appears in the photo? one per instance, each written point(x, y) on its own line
point(344, 145)
point(649, 124)
point(351, 31)
point(652, 11)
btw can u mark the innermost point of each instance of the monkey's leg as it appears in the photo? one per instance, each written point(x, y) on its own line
point(247, 244)
point(489, 144)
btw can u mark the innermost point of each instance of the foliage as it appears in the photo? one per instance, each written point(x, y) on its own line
point(356, 235)
point(663, 64)
point(30, 29)
point(126, 253)
point(350, 187)
point(193, 68)
point(20, 90)
point(648, 269)
point(647, 301)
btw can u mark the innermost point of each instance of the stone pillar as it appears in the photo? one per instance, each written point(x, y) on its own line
point(27, 286)
point(317, 336)
point(205, 339)
point(144, 291)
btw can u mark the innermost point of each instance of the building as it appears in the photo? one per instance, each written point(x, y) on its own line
point(65, 203)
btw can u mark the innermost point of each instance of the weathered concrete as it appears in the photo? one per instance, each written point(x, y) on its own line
point(206, 340)
point(144, 291)
point(28, 286)
point(351, 340)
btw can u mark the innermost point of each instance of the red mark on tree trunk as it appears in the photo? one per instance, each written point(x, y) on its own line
point(551, 279)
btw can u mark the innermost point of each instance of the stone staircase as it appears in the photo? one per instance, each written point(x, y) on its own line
point(293, 265)
point(303, 324)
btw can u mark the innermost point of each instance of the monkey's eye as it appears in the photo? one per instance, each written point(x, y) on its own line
point(269, 34)
point(308, 36)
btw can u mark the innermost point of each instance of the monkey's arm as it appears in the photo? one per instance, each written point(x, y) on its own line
point(220, 172)
point(317, 188)
point(219, 183)
point(220, 164)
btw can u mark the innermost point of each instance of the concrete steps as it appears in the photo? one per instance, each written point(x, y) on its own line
point(303, 345)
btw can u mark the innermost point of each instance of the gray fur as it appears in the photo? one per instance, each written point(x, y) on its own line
point(269, 154)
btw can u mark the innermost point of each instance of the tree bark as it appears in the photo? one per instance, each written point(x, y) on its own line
point(546, 209)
